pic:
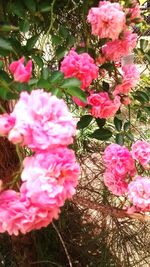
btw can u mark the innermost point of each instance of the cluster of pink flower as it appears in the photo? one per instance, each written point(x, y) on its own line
point(43, 123)
point(121, 173)
point(109, 21)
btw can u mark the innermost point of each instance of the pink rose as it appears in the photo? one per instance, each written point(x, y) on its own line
point(116, 49)
point(118, 161)
point(20, 72)
point(107, 20)
point(102, 106)
point(115, 184)
point(42, 121)
point(141, 152)
point(139, 193)
point(80, 66)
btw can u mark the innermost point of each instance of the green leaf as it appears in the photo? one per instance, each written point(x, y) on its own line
point(5, 77)
point(71, 83)
point(43, 84)
point(8, 28)
point(18, 8)
point(142, 96)
point(56, 40)
point(100, 122)
point(45, 73)
point(147, 110)
point(120, 138)
point(118, 124)
point(56, 77)
point(84, 121)
point(147, 57)
point(38, 60)
point(60, 52)
point(130, 136)
point(70, 41)
point(31, 42)
point(1, 64)
point(126, 126)
point(143, 44)
point(45, 6)
point(3, 93)
point(105, 86)
point(76, 91)
point(64, 31)
point(101, 134)
point(5, 44)
point(31, 5)
point(24, 26)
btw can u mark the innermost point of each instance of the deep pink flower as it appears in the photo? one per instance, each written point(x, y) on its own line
point(116, 185)
point(118, 161)
point(42, 121)
point(139, 193)
point(20, 72)
point(102, 106)
point(107, 20)
point(6, 124)
point(80, 66)
point(116, 49)
point(141, 152)
point(131, 76)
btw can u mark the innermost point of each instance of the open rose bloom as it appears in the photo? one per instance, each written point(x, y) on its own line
point(107, 20)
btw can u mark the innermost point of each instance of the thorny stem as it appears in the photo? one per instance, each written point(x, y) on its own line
point(63, 244)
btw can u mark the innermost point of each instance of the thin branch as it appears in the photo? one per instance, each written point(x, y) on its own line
point(109, 210)
point(63, 244)
point(40, 262)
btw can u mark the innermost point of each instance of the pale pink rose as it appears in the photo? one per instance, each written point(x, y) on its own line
point(115, 184)
point(141, 152)
point(56, 167)
point(118, 161)
point(139, 193)
point(42, 121)
point(79, 102)
point(107, 20)
point(114, 50)
point(131, 76)
point(102, 106)
point(6, 124)
point(80, 66)
point(20, 72)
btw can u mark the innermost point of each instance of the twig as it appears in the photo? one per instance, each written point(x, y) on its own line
point(109, 210)
point(63, 244)
point(39, 262)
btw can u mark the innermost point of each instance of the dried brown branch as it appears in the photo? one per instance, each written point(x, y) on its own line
point(109, 210)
